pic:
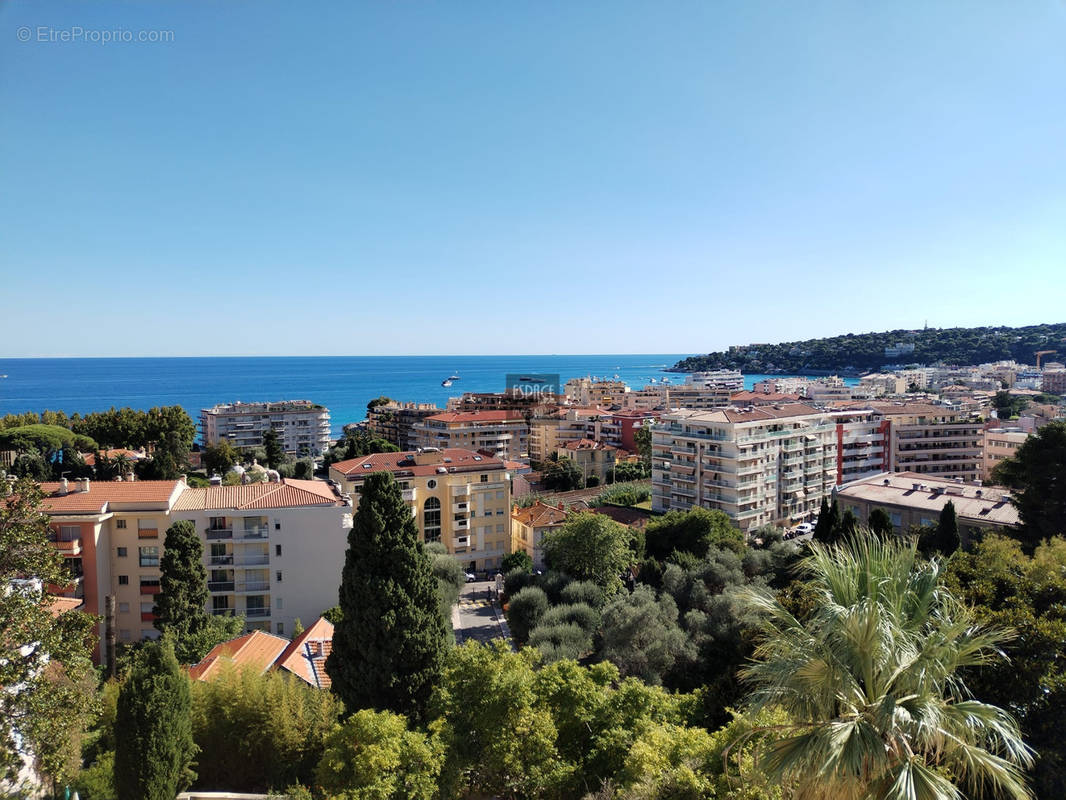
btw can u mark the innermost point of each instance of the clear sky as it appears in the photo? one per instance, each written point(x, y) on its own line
point(439, 176)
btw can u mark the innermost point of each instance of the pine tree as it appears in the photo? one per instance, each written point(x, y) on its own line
point(947, 530)
point(389, 643)
point(180, 605)
point(154, 748)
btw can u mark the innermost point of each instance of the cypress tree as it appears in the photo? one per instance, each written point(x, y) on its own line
point(823, 528)
point(272, 444)
point(182, 600)
point(154, 748)
point(389, 644)
point(947, 530)
point(879, 522)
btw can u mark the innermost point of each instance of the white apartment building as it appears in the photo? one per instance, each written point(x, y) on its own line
point(999, 445)
point(932, 440)
point(730, 379)
point(862, 444)
point(303, 427)
point(771, 464)
point(591, 392)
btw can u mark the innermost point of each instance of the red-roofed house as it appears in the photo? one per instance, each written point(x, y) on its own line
point(256, 650)
point(594, 459)
point(305, 657)
point(529, 524)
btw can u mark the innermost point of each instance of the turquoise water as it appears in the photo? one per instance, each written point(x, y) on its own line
point(342, 384)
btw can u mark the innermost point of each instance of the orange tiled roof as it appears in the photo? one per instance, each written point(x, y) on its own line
point(763, 397)
point(58, 605)
point(288, 493)
point(257, 650)
point(588, 444)
point(102, 494)
point(479, 416)
point(453, 458)
point(306, 655)
point(540, 514)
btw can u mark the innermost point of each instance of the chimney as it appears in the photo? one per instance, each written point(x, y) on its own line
point(83, 485)
point(215, 480)
point(64, 487)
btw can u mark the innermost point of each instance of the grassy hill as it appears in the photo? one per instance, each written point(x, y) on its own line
point(863, 352)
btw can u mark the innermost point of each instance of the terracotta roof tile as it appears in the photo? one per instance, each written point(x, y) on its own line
point(101, 494)
point(286, 494)
point(453, 458)
point(306, 655)
point(479, 416)
point(256, 650)
point(540, 514)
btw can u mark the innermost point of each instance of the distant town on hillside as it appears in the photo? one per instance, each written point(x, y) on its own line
point(863, 352)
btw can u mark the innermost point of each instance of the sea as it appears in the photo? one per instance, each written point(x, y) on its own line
point(344, 384)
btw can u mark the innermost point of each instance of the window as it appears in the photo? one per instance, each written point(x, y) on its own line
point(281, 628)
point(431, 484)
point(278, 602)
point(121, 525)
point(499, 494)
point(484, 478)
point(123, 580)
point(219, 604)
point(217, 524)
point(277, 576)
point(69, 533)
point(431, 520)
point(146, 608)
point(277, 549)
point(120, 552)
point(499, 527)
point(149, 556)
point(123, 608)
point(897, 520)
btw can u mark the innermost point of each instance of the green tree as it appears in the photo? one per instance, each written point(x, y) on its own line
point(1037, 475)
point(562, 475)
point(879, 522)
point(872, 682)
point(389, 643)
point(524, 611)
point(154, 749)
point(944, 538)
point(640, 635)
point(180, 607)
point(694, 531)
point(498, 741)
point(642, 439)
point(256, 731)
point(589, 547)
point(44, 659)
point(828, 528)
point(220, 458)
point(519, 559)
point(373, 756)
point(274, 452)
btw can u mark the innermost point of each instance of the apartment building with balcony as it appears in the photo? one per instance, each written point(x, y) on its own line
point(999, 445)
point(591, 392)
point(862, 444)
point(502, 434)
point(303, 427)
point(932, 440)
point(273, 551)
point(456, 496)
point(766, 465)
point(394, 421)
point(112, 536)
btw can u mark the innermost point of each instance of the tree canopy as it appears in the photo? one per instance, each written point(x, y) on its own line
point(1037, 475)
point(589, 547)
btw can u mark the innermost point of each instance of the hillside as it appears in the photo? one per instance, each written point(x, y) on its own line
point(862, 352)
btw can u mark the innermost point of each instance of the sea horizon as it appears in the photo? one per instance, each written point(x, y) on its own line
point(343, 384)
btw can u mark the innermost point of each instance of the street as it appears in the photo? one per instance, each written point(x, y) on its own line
point(477, 617)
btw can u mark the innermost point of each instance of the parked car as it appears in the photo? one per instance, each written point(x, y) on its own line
point(470, 577)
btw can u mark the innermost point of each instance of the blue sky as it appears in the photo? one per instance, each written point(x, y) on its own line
point(410, 176)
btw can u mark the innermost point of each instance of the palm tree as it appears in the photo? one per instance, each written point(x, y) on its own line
point(870, 683)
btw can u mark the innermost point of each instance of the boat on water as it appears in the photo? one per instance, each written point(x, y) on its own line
point(446, 382)
point(453, 377)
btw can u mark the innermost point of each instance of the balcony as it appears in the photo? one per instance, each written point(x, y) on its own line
point(256, 560)
point(220, 586)
point(221, 612)
point(152, 588)
point(148, 533)
point(460, 508)
point(219, 533)
point(257, 612)
point(253, 586)
point(147, 616)
point(218, 560)
point(68, 548)
point(259, 532)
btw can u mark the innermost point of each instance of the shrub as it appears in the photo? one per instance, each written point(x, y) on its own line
point(580, 614)
point(525, 610)
point(560, 641)
point(583, 592)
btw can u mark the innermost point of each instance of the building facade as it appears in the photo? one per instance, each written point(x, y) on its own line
point(456, 496)
point(999, 445)
point(932, 440)
point(767, 465)
point(272, 551)
point(502, 434)
point(303, 427)
point(394, 422)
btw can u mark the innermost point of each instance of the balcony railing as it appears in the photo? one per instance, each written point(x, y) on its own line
point(253, 586)
point(226, 559)
point(152, 588)
point(147, 616)
point(219, 533)
point(253, 560)
point(148, 533)
point(220, 612)
point(259, 532)
point(257, 612)
point(220, 586)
